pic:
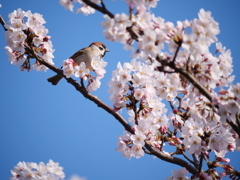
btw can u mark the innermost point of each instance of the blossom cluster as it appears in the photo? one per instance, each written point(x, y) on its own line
point(25, 28)
point(140, 89)
point(154, 34)
point(84, 9)
point(27, 170)
point(70, 68)
point(41, 171)
point(145, 84)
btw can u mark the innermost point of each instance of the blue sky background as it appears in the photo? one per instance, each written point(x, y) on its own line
point(39, 121)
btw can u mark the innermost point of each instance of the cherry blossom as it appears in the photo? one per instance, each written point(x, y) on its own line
point(72, 69)
point(84, 9)
point(138, 138)
point(24, 171)
point(122, 21)
point(68, 69)
point(81, 70)
point(19, 30)
point(137, 151)
point(178, 174)
point(98, 65)
point(138, 94)
point(94, 84)
point(193, 143)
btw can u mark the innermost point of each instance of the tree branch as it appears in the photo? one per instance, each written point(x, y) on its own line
point(117, 116)
point(108, 109)
point(187, 75)
point(102, 9)
point(196, 161)
point(79, 88)
point(171, 159)
point(188, 158)
point(82, 90)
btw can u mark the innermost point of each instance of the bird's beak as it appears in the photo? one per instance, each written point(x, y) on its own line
point(107, 50)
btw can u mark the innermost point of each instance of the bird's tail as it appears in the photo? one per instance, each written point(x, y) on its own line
point(55, 79)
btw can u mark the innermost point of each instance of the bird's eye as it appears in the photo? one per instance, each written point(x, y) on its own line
point(100, 47)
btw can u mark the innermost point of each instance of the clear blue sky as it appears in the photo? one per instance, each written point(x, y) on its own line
point(39, 121)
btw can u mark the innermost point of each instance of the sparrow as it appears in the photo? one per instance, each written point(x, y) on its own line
point(83, 55)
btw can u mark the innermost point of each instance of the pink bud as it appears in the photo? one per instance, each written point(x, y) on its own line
point(172, 143)
point(46, 38)
point(177, 140)
point(157, 146)
point(224, 160)
point(231, 147)
point(163, 129)
point(223, 92)
point(175, 111)
point(222, 174)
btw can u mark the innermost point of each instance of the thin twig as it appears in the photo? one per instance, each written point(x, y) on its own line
point(82, 82)
point(237, 120)
point(187, 65)
point(171, 105)
point(201, 161)
point(103, 5)
point(180, 103)
point(135, 112)
point(176, 53)
point(188, 158)
point(234, 127)
point(3, 23)
point(196, 161)
point(147, 152)
point(102, 9)
point(171, 159)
